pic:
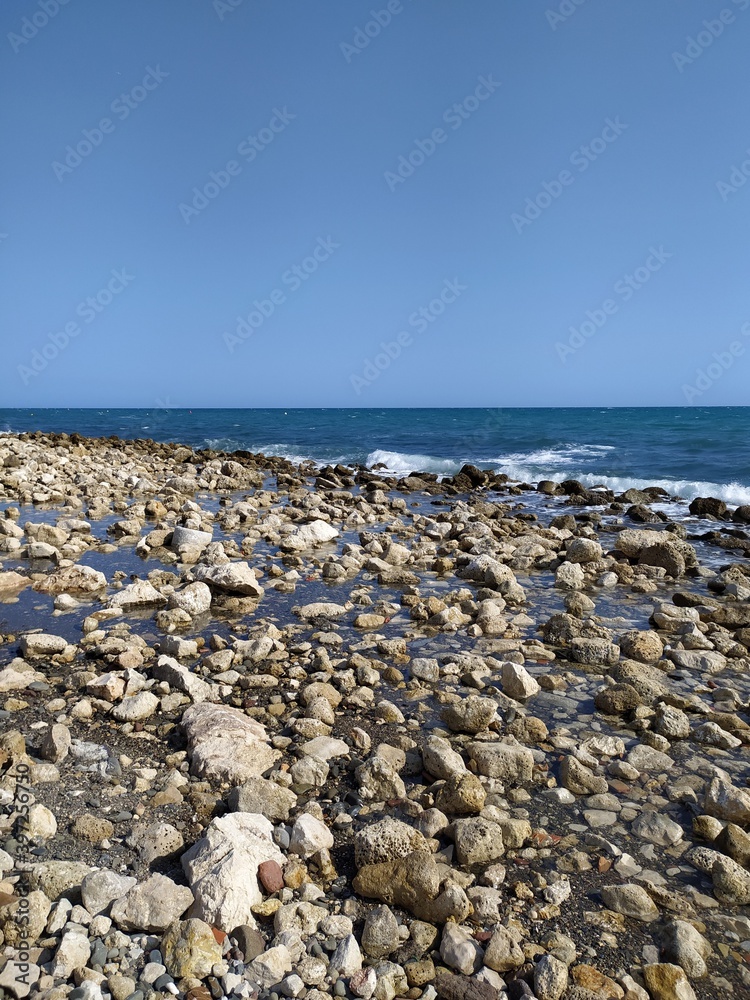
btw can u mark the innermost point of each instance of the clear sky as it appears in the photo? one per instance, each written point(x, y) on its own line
point(239, 202)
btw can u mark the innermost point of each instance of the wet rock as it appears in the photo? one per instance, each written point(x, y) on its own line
point(672, 723)
point(507, 760)
point(518, 682)
point(617, 699)
point(734, 842)
point(731, 881)
point(645, 647)
point(234, 578)
point(657, 828)
point(577, 778)
point(471, 715)
point(461, 794)
point(140, 594)
point(73, 580)
point(308, 536)
point(583, 550)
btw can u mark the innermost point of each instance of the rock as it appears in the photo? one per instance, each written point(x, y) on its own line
point(72, 954)
point(631, 900)
point(59, 878)
point(309, 835)
point(136, 708)
point(234, 577)
point(347, 958)
point(155, 841)
point(222, 868)
point(711, 734)
point(250, 942)
point(151, 906)
point(461, 794)
point(493, 573)
point(667, 554)
point(189, 540)
point(672, 723)
point(270, 968)
point(708, 507)
point(270, 876)
point(518, 682)
point(657, 828)
point(667, 982)
point(632, 541)
point(471, 715)
point(734, 842)
point(440, 759)
point(180, 678)
point(569, 576)
point(56, 743)
point(507, 760)
point(731, 881)
point(378, 781)
point(322, 609)
point(18, 978)
point(423, 669)
point(413, 883)
point(645, 647)
point(594, 652)
point(645, 758)
point(503, 952)
point(190, 949)
point(24, 918)
point(386, 840)
point(140, 594)
point(92, 828)
point(380, 935)
point(308, 536)
point(225, 745)
point(195, 599)
point(17, 680)
point(42, 644)
point(477, 840)
point(702, 660)
point(686, 947)
point(73, 580)
point(258, 795)
point(40, 823)
point(459, 950)
point(583, 550)
point(550, 978)
point(101, 888)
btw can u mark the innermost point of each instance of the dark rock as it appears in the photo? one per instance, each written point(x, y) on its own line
point(708, 507)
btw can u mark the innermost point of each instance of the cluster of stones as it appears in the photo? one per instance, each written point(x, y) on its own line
point(446, 775)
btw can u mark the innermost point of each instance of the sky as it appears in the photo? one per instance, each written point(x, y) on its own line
point(345, 203)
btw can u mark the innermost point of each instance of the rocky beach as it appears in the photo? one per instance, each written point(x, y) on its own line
point(298, 731)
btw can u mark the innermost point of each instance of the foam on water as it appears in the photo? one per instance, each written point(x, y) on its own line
point(400, 464)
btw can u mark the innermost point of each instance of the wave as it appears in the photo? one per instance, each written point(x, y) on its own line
point(399, 463)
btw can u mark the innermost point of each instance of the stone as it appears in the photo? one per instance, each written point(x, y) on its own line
point(189, 540)
point(378, 781)
point(477, 840)
point(136, 708)
point(470, 715)
point(594, 652)
point(569, 576)
point(18, 978)
point(631, 900)
point(92, 828)
point(413, 883)
point(672, 723)
point(270, 968)
point(461, 794)
point(667, 982)
point(550, 978)
point(40, 822)
point(322, 609)
point(733, 841)
point(645, 758)
point(503, 953)
point(59, 878)
point(380, 936)
point(259, 795)
point(72, 954)
point(249, 941)
point(233, 577)
point(190, 949)
point(24, 922)
point(485, 569)
point(386, 840)
point(151, 906)
point(423, 669)
point(657, 828)
point(347, 958)
point(583, 550)
point(517, 682)
point(726, 801)
point(700, 660)
point(270, 876)
point(101, 888)
point(222, 868)
point(686, 947)
point(72, 580)
point(507, 760)
point(440, 760)
point(577, 778)
point(225, 745)
point(308, 536)
point(42, 644)
point(156, 840)
point(180, 678)
point(140, 594)
point(56, 743)
point(731, 882)
point(645, 647)
point(309, 835)
point(459, 950)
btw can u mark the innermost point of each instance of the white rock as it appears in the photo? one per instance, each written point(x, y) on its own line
point(141, 594)
point(42, 644)
point(136, 708)
point(181, 679)
point(309, 835)
point(270, 967)
point(307, 536)
point(195, 598)
point(235, 577)
point(518, 682)
point(224, 744)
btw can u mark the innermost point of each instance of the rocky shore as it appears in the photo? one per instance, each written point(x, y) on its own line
point(279, 731)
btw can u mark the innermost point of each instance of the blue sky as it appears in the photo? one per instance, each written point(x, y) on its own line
point(341, 203)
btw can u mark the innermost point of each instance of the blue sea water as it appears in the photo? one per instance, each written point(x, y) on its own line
point(689, 451)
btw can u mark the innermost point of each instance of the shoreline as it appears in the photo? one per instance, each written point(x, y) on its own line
point(476, 727)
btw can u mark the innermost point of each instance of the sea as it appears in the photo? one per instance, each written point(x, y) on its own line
point(688, 451)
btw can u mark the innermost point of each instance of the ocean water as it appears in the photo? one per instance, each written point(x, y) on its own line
point(689, 451)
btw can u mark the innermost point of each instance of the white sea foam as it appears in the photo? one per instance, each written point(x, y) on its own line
point(398, 463)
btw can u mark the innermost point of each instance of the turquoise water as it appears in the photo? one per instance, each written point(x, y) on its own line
point(690, 451)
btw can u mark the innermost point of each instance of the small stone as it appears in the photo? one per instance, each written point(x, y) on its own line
point(310, 835)
point(271, 876)
point(667, 982)
point(550, 978)
point(190, 949)
point(518, 682)
point(380, 934)
point(631, 900)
